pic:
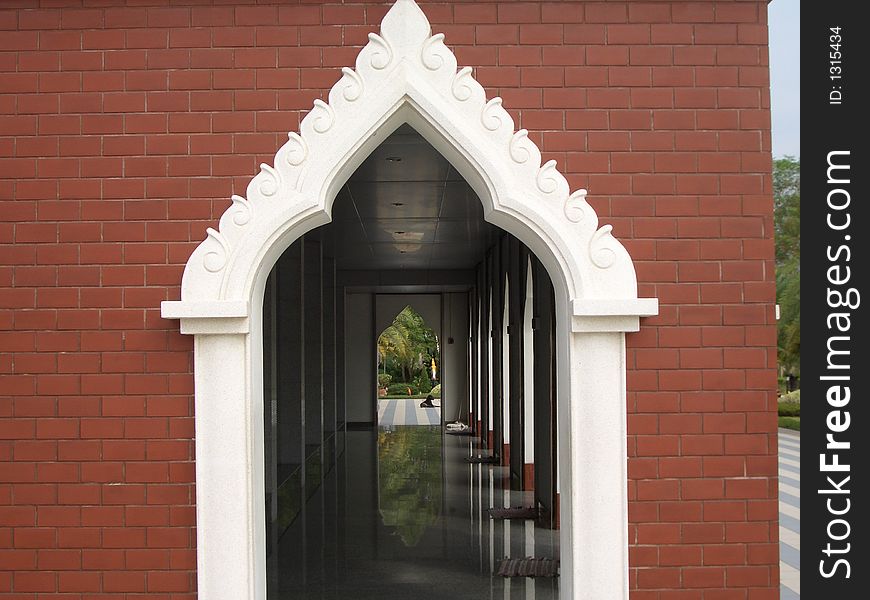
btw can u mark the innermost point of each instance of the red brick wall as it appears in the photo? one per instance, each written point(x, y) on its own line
point(123, 132)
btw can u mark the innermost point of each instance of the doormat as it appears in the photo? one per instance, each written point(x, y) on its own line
point(529, 567)
point(516, 512)
point(485, 460)
point(458, 428)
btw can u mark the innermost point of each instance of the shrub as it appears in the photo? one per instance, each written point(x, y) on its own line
point(422, 384)
point(399, 389)
point(436, 391)
point(384, 379)
point(794, 396)
point(789, 409)
point(790, 404)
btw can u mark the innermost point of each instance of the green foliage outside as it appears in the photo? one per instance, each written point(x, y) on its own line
point(436, 391)
point(401, 389)
point(793, 423)
point(405, 351)
point(787, 223)
point(789, 408)
point(384, 380)
point(409, 480)
point(794, 396)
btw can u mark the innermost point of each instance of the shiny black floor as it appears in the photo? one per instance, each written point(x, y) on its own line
point(402, 515)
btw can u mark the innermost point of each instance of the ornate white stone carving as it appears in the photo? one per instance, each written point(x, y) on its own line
point(325, 116)
point(493, 115)
point(217, 251)
point(603, 247)
point(406, 68)
point(576, 207)
point(548, 178)
point(432, 54)
point(296, 149)
point(354, 89)
point(462, 84)
point(270, 181)
point(521, 147)
point(240, 212)
point(381, 54)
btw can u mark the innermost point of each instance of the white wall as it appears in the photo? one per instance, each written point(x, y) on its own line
point(360, 362)
point(454, 372)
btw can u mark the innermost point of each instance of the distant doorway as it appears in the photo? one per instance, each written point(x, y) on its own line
point(408, 372)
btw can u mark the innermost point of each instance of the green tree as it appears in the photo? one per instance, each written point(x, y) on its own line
point(407, 344)
point(787, 223)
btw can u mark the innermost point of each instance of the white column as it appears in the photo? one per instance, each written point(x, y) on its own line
point(528, 374)
point(506, 369)
point(229, 507)
point(594, 500)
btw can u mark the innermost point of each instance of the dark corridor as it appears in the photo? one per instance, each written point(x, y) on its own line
point(403, 515)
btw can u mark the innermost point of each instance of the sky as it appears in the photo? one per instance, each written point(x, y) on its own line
point(785, 76)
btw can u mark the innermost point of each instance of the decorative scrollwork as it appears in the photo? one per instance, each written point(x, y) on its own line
point(461, 89)
point(489, 116)
point(271, 182)
point(298, 151)
point(241, 210)
point(430, 59)
point(576, 207)
point(354, 89)
point(546, 178)
point(323, 122)
point(403, 59)
point(216, 260)
point(382, 54)
point(602, 255)
point(517, 148)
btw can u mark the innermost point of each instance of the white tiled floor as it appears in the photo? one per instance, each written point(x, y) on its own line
point(407, 412)
point(789, 514)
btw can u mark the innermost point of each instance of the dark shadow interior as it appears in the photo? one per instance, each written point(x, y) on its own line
point(357, 506)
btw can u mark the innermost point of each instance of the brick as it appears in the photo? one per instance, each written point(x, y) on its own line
point(660, 109)
point(33, 581)
point(607, 55)
point(659, 578)
point(747, 532)
point(475, 13)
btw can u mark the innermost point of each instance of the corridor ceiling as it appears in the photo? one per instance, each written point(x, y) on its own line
point(406, 207)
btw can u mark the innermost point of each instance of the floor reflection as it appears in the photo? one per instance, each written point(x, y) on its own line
point(402, 515)
point(409, 480)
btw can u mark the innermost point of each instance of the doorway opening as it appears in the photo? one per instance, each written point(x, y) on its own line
point(378, 307)
point(408, 372)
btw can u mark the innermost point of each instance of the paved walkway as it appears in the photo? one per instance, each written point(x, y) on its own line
point(789, 514)
point(407, 412)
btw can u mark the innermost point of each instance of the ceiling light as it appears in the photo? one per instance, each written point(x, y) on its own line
point(394, 159)
point(398, 204)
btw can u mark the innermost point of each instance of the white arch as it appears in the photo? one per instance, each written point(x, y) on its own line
point(407, 75)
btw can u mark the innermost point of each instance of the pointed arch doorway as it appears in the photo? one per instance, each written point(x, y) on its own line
point(408, 75)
